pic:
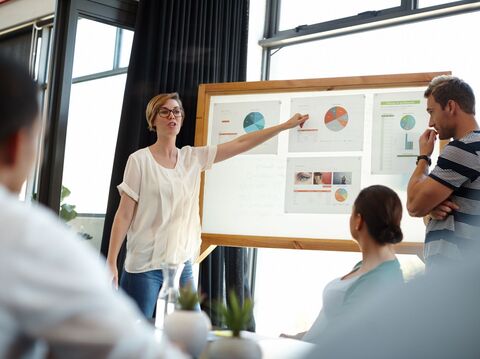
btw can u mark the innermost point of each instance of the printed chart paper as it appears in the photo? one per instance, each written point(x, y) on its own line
point(335, 124)
point(322, 184)
point(398, 121)
point(231, 120)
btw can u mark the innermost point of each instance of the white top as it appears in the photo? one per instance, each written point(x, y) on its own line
point(166, 224)
point(333, 299)
point(55, 290)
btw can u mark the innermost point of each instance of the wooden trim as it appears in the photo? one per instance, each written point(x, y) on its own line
point(205, 250)
point(210, 240)
point(326, 84)
point(201, 134)
point(339, 245)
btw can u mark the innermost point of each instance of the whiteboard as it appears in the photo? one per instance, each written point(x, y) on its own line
point(257, 195)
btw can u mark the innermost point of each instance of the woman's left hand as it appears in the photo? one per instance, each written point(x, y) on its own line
point(296, 120)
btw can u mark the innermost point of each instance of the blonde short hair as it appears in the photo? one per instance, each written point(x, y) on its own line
point(158, 101)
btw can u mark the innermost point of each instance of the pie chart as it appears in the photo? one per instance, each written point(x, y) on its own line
point(254, 121)
point(341, 195)
point(336, 118)
point(407, 122)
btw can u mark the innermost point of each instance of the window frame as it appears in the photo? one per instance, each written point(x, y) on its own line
point(119, 13)
point(407, 12)
point(115, 70)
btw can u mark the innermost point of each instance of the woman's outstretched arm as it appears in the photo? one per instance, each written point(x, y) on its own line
point(253, 139)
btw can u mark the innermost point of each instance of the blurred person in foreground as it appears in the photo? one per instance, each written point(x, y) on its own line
point(375, 226)
point(433, 316)
point(55, 297)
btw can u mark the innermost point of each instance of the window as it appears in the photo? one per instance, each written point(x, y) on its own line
point(427, 3)
point(94, 41)
point(416, 47)
point(289, 285)
point(94, 113)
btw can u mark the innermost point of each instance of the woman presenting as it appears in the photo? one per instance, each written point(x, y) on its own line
point(159, 204)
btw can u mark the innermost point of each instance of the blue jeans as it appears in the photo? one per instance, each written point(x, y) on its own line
point(144, 287)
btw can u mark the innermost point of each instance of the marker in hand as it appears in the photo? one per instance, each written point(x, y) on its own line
point(306, 118)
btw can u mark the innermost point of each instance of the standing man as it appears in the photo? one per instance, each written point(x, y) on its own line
point(451, 191)
point(55, 296)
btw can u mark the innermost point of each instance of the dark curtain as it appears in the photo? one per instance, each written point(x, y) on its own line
point(223, 271)
point(179, 44)
point(16, 45)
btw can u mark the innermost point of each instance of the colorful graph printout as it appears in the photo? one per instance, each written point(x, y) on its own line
point(407, 122)
point(336, 118)
point(399, 118)
point(254, 121)
point(322, 184)
point(231, 120)
point(341, 195)
point(335, 124)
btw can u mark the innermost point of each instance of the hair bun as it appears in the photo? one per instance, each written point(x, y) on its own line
point(391, 234)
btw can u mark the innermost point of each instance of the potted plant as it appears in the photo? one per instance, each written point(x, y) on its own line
point(187, 326)
point(236, 318)
point(67, 211)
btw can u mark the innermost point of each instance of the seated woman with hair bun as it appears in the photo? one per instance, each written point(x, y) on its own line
point(375, 226)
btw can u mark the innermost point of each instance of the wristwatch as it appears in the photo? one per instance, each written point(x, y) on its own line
point(424, 157)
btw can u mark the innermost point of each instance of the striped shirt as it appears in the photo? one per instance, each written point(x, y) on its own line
point(458, 168)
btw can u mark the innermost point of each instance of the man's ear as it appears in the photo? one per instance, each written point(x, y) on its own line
point(452, 107)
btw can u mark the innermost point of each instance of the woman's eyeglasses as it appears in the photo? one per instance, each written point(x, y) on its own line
point(165, 112)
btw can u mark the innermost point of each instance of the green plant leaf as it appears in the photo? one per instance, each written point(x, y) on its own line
point(235, 316)
point(65, 193)
point(67, 212)
point(188, 298)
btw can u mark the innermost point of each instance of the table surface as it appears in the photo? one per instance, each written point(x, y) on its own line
point(272, 348)
point(280, 348)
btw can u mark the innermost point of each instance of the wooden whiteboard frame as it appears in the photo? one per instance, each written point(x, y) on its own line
point(206, 91)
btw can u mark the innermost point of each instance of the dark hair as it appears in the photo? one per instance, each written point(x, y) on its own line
point(18, 98)
point(444, 88)
point(381, 209)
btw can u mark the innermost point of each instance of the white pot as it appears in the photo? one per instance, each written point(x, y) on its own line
point(189, 329)
point(234, 348)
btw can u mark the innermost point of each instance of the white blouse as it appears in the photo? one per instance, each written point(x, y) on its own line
point(166, 224)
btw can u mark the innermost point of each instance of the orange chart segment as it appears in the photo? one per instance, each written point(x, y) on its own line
point(341, 195)
point(336, 118)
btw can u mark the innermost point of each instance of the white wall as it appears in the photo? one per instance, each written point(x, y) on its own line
point(16, 12)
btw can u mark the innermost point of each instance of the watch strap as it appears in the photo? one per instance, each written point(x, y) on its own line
point(424, 157)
